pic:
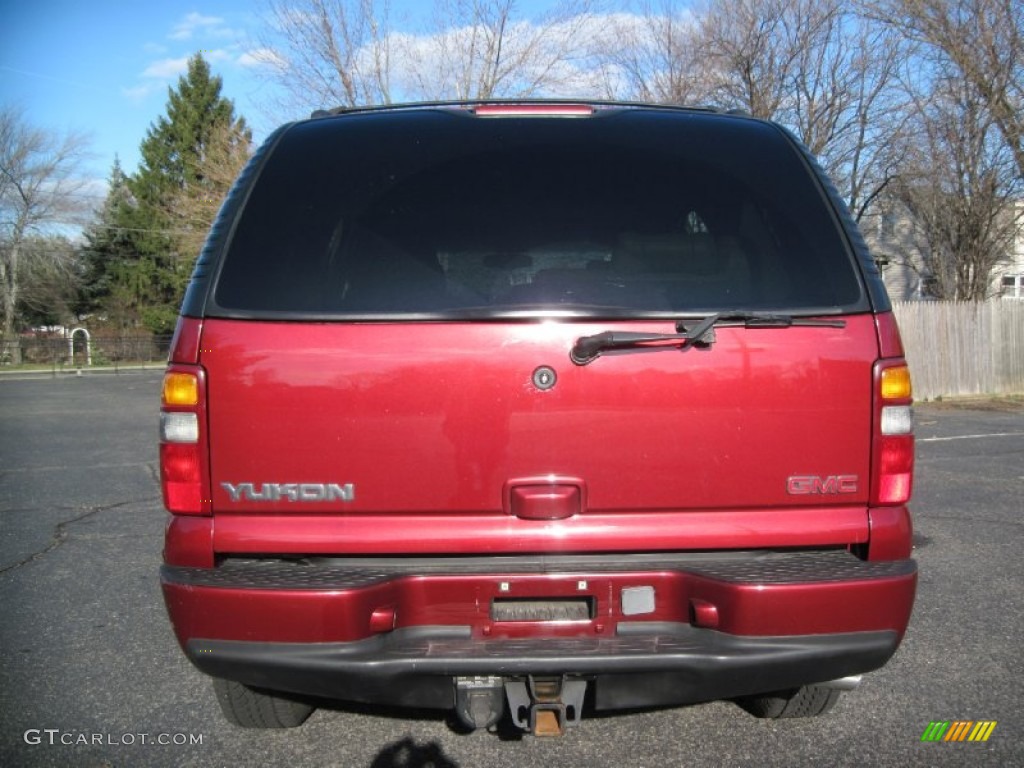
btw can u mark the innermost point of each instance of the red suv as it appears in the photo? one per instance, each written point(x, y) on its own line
point(509, 407)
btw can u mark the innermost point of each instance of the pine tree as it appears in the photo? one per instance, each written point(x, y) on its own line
point(108, 252)
point(154, 260)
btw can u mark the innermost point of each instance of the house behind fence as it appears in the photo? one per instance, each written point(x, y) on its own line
point(962, 348)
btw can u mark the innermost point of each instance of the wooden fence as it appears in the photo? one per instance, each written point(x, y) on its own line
point(961, 348)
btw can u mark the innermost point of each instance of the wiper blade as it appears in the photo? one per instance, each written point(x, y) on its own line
point(589, 348)
point(766, 320)
point(689, 333)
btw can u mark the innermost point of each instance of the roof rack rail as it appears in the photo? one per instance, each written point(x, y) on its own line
point(600, 103)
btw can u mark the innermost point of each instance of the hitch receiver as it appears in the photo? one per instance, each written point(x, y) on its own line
point(545, 706)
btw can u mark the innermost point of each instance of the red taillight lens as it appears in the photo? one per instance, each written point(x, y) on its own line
point(183, 476)
point(895, 470)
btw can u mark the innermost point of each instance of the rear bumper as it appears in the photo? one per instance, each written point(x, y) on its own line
point(708, 626)
point(643, 664)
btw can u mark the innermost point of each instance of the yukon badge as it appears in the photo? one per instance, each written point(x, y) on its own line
point(290, 491)
point(802, 485)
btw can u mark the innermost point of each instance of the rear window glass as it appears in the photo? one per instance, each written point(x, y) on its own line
point(623, 214)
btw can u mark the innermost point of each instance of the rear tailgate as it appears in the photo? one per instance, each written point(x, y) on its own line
point(393, 437)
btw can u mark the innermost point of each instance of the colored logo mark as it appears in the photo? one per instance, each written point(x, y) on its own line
point(958, 730)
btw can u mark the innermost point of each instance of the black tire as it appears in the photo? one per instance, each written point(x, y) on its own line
point(809, 701)
point(252, 708)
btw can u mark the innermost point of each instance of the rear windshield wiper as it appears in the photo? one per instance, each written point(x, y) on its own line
point(689, 333)
point(764, 320)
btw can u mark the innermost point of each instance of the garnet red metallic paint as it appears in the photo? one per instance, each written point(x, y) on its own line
point(185, 342)
point(892, 533)
point(188, 541)
point(495, 532)
point(306, 616)
point(890, 345)
point(427, 418)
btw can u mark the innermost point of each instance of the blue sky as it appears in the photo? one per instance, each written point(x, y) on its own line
point(103, 68)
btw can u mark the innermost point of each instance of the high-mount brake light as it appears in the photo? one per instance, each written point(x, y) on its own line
point(533, 110)
point(183, 480)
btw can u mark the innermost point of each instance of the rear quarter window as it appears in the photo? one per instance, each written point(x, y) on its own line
point(442, 214)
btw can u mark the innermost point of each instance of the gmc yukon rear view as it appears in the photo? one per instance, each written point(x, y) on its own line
point(510, 408)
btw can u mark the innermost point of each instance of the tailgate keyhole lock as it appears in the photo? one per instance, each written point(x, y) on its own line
point(544, 378)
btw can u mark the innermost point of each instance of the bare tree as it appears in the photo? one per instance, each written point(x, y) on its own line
point(51, 278)
point(750, 54)
point(482, 49)
point(194, 205)
point(983, 40)
point(845, 102)
point(331, 53)
point(652, 57)
point(39, 187)
point(813, 65)
point(957, 185)
point(345, 52)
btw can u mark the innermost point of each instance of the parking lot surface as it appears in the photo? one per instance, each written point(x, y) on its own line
point(90, 673)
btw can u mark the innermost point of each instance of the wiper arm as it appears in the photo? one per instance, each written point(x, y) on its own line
point(589, 348)
point(699, 333)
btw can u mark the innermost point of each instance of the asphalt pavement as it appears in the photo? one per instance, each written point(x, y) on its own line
point(90, 674)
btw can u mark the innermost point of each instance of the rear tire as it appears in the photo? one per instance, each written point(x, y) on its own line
point(253, 708)
point(809, 701)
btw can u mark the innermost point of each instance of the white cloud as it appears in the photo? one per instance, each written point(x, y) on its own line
point(227, 32)
point(558, 56)
point(262, 57)
point(166, 68)
point(216, 54)
point(139, 92)
point(184, 29)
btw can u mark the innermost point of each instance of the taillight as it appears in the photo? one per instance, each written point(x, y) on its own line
point(183, 476)
point(893, 451)
point(181, 388)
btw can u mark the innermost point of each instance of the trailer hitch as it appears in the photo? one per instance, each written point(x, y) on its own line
point(545, 705)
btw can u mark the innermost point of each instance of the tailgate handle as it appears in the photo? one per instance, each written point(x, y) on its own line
point(543, 498)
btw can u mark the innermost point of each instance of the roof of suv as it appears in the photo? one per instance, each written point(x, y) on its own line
point(524, 107)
